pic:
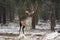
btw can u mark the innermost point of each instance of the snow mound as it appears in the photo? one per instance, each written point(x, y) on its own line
point(50, 35)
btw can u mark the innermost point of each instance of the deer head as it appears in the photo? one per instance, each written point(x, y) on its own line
point(29, 12)
point(31, 9)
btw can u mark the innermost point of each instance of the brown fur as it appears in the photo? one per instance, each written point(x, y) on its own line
point(23, 18)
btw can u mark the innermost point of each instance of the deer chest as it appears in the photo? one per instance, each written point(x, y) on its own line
point(28, 21)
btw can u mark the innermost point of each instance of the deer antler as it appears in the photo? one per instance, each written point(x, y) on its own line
point(24, 6)
point(34, 6)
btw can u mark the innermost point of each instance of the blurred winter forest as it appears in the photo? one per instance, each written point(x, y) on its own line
point(47, 11)
point(16, 7)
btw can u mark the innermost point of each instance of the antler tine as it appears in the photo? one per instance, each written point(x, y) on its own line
point(25, 6)
point(33, 6)
point(36, 5)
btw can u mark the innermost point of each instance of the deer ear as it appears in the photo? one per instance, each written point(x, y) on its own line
point(33, 12)
point(26, 11)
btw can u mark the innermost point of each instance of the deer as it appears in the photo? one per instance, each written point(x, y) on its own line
point(26, 20)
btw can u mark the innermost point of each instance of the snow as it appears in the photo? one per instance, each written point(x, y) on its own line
point(11, 28)
point(51, 35)
point(57, 27)
point(43, 26)
point(47, 35)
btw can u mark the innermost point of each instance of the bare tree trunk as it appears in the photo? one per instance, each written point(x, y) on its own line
point(13, 13)
point(10, 15)
point(35, 16)
point(0, 15)
point(4, 16)
point(33, 21)
point(52, 15)
point(0, 18)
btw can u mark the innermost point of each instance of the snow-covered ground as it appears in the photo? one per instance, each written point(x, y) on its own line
point(37, 35)
point(47, 25)
point(11, 28)
point(14, 28)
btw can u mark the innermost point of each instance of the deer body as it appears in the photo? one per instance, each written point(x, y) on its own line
point(25, 22)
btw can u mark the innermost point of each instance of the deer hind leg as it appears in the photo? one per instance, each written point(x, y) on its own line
point(23, 29)
point(20, 26)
